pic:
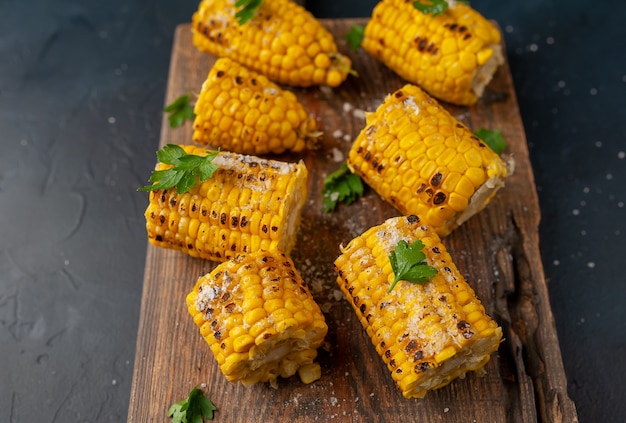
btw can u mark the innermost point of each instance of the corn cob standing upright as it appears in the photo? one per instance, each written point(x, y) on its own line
point(283, 41)
point(259, 318)
point(452, 56)
point(248, 204)
point(427, 334)
point(423, 161)
point(240, 110)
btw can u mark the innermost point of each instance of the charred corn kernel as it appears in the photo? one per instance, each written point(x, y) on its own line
point(283, 41)
point(216, 225)
point(415, 179)
point(423, 332)
point(452, 56)
point(271, 121)
point(257, 346)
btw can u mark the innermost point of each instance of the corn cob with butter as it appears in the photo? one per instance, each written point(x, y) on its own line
point(423, 161)
point(427, 334)
point(452, 56)
point(240, 110)
point(259, 319)
point(247, 205)
point(282, 41)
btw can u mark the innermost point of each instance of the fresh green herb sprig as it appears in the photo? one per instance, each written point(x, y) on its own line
point(492, 138)
point(248, 7)
point(408, 263)
point(341, 186)
point(185, 171)
point(354, 37)
point(179, 111)
point(192, 409)
point(435, 7)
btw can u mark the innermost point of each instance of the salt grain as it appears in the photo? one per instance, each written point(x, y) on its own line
point(591, 265)
point(621, 155)
point(359, 113)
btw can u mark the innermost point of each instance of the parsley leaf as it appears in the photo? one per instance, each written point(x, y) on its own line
point(180, 110)
point(434, 7)
point(341, 185)
point(408, 263)
point(493, 139)
point(192, 409)
point(246, 13)
point(354, 37)
point(185, 170)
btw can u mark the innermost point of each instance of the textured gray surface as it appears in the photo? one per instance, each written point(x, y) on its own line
point(81, 92)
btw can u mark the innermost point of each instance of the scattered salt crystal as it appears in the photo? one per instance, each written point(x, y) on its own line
point(359, 113)
point(533, 47)
point(593, 91)
point(598, 144)
point(111, 119)
point(337, 155)
point(556, 262)
point(347, 107)
point(575, 212)
point(591, 265)
point(550, 40)
point(621, 155)
point(445, 410)
point(609, 176)
point(338, 133)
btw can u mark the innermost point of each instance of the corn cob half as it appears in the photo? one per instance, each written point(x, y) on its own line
point(259, 319)
point(283, 41)
point(428, 334)
point(242, 111)
point(422, 160)
point(247, 205)
point(453, 56)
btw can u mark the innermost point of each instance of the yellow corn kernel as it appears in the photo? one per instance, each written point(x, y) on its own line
point(452, 56)
point(259, 346)
point(452, 173)
point(272, 121)
point(223, 226)
point(283, 41)
point(422, 332)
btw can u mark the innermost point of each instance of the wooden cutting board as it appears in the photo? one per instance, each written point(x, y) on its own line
point(497, 251)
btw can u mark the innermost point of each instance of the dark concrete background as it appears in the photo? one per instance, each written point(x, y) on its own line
point(82, 85)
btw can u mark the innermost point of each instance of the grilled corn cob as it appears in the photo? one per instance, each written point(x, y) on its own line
point(248, 204)
point(423, 161)
point(259, 318)
point(452, 56)
point(283, 41)
point(428, 334)
point(242, 111)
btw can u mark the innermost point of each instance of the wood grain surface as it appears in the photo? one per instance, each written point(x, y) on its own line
point(497, 251)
